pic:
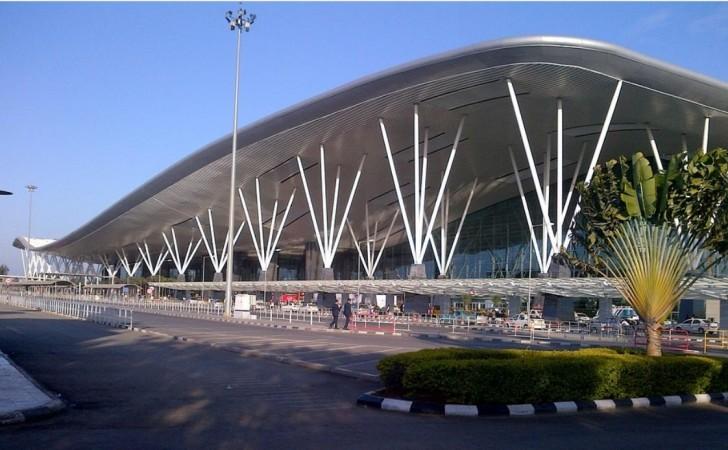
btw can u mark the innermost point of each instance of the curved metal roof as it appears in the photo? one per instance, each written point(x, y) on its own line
point(468, 81)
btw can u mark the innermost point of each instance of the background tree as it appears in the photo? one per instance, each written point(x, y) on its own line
point(655, 233)
point(4, 269)
point(650, 265)
point(691, 194)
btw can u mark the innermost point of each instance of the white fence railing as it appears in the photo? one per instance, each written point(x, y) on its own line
point(98, 313)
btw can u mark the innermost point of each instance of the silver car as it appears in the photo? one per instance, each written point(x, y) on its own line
point(697, 326)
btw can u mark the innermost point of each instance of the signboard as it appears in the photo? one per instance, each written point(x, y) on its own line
point(241, 308)
point(291, 298)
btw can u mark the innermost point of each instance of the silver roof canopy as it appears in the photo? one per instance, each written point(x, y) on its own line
point(469, 81)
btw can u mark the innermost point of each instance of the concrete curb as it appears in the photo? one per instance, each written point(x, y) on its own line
point(53, 406)
point(269, 356)
point(372, 400)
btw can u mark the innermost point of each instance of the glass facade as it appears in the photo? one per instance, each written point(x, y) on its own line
point(494, 243)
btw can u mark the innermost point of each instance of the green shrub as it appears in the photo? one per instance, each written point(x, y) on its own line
point(527, 380)
point(720, 380)
point(476, 376)
point(392, 368)
point(682, 374)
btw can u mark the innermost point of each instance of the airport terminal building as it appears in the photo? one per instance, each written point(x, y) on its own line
point(449, 175)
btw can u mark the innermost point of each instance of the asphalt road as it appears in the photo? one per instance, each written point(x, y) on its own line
point(137, 391)
point(344, 352)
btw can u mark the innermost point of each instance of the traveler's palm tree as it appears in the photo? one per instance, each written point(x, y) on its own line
point(650, 265)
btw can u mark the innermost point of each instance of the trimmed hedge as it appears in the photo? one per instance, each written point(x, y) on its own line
point(477, 376)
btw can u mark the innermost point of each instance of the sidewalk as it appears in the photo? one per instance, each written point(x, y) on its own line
point(21, 398)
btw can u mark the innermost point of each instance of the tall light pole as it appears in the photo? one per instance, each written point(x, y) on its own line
point(237, 22)
point(31, 188)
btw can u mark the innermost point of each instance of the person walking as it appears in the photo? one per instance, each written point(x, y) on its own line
point(347, 313)
point(335, 312)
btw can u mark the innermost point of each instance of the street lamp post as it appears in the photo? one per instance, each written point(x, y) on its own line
point(31, 188)
point(237, 22)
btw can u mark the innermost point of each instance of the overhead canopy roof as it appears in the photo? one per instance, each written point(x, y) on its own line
point(469, 81)
point(115, 286)
point(40, 283)
point(705, 288)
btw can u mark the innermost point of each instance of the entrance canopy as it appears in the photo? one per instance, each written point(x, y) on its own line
point(703, 289)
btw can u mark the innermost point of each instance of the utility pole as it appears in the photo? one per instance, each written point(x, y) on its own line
point(31, 188)
point(238, 22)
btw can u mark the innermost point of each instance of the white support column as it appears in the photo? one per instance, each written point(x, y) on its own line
point(706, 129)
point(218, 260)
point(534, 242)
point(181, 263)
point(443, 186)
point(128, 267)
point(653, 145)
point(559, 170)
point(546, 224)
point(398, 190)
point(111, 269)
point(683, 143)
point(265, 250)
point(371, 261)
point(603, 133)
point(531, 163)
point(23, 259)
point(445, 256)
point(460, 226)
point(595, 157)
point(147, 258)
point(567, 203)
point(328, 238)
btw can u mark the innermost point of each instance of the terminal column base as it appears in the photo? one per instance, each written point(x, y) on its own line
point(417, 272)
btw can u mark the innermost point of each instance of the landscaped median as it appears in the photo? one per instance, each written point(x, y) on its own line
point(492, 378)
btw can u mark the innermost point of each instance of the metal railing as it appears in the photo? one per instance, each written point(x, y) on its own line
point(364, 319)
point(97, 313)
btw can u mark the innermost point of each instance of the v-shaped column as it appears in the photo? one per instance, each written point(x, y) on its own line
point(371, 261)
point(418, 232)
point(128, 267)
point(111, 269)
point(218, 260)
point(443, 257)
point(147, 257)
point(180, 263)
point(543, 255)
point(328, 238)
point(265, 248)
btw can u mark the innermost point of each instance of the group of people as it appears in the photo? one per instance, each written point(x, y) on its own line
point(336, 309)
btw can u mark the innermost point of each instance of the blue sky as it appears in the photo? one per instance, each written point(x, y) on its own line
point(98, 98)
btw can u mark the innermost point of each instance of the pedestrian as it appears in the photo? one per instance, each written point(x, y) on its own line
point(347, 313)
point(335, 312)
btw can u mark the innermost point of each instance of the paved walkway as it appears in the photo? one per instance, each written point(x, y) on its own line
point(21, 398)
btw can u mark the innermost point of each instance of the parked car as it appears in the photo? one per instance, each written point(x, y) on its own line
point(697, 326)
point(522, 321)
point(626, 313)
point(581, 318)
point(460, 318)
point(309, 308)
point(605, 325)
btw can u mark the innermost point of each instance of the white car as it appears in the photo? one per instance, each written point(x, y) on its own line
point(521, 321)
point(581, 318)
point(697, 326)
point(309, 308)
